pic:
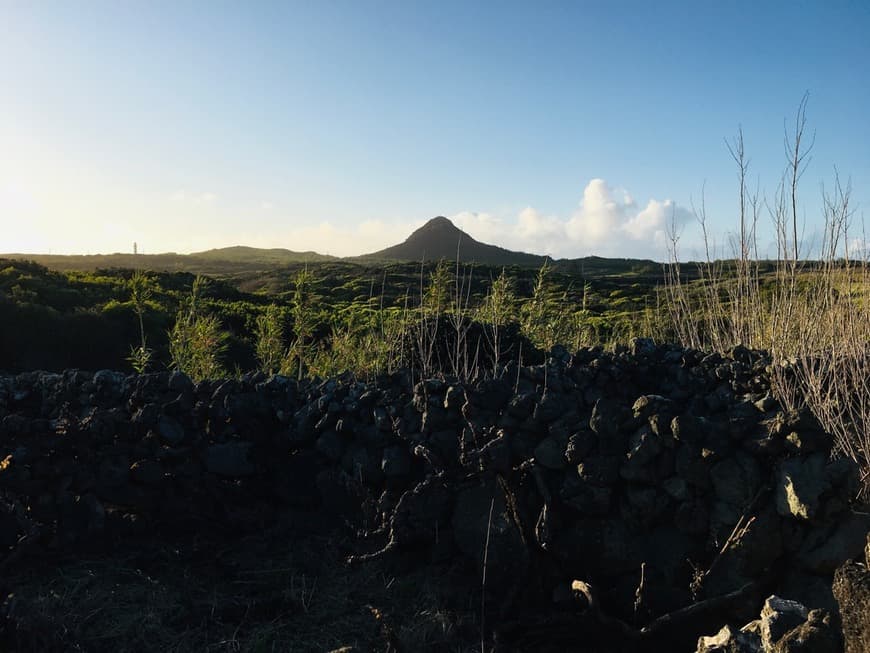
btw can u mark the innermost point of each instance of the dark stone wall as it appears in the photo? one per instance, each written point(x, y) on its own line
point(661, 476)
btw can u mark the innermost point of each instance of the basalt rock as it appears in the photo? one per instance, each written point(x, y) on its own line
point(661, 475)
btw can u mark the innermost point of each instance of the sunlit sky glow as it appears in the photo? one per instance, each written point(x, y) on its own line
point(569, 128)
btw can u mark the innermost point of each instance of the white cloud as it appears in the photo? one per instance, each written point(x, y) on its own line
point(607, 222)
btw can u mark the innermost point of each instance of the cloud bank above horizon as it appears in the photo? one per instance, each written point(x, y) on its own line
point(607, 222)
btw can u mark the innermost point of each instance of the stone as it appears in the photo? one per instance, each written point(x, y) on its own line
point(642, 346)
point(180, 382)
point(580, 445)
point(736, 480)
point(550, 453)
point(455, 397)
point(607, 421)
point(778, 616)
point(800, 483)
point(852, 591)
point(229, 459)
point(729, 640)
point(645, 405)
point(816, 635)
point(551, 406)
point(170, 431)
point(638, 464)
point(690, 429)
point(601, 470)
point(826, 549)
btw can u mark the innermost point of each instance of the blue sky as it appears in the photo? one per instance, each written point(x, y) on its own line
point(564, 128)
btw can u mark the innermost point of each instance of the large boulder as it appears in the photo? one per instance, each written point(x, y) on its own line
point(800, 485)
point(852, 591)
point(778, 616)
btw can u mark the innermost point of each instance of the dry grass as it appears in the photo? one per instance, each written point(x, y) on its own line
point(810, 313)
point(269, 592)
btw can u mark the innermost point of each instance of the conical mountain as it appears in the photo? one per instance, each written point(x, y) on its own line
point(439, 239)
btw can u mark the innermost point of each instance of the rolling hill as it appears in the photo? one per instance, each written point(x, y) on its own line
point(440, 238)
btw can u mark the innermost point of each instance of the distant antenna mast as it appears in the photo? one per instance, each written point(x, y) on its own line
point(135, 248)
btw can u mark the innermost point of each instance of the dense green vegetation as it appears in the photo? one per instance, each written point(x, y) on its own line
point(307, 318)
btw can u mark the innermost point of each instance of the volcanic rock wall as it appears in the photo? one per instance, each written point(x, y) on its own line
point(660, 476)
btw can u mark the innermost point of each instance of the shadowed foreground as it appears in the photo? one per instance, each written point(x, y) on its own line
point(624, 501)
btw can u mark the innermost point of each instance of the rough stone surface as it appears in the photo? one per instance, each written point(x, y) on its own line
point(597, 465)
point(800, 484)
point(816, 635)
point(778, 616)
point(729, 640)
point(852, 591)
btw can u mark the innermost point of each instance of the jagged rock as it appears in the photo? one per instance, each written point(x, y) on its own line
point(607, 421)
point(802, 432)
point(778, 616)
point(579, 446)
point(800, 485)
point(730, 640)
point(736, 480)
point(598, 463)
point(600, 470)
point(420, 518)
point(826, 548)
point(852, 591)
point(816, 635)
point(644, 447)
